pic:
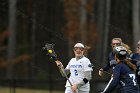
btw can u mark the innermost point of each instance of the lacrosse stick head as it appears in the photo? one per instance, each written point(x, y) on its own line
point(50, 51)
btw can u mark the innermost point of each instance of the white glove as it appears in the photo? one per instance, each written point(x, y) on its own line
point(101, 72)
point(138, 63)
point(59, 64)
point(112, 63)
point(138, 72)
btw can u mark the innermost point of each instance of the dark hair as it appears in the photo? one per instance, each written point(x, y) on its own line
point(86, 50)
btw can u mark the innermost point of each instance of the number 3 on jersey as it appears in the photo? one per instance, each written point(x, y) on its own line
point(76, 72)
point(133, 78)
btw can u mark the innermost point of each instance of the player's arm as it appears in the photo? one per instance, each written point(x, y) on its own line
point(66, 71)
point(138, 68)
point(61, 68)
point(86, 79)
point(108, 65)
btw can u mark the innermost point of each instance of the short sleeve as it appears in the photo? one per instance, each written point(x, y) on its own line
point(68, 66)
point(87, 65)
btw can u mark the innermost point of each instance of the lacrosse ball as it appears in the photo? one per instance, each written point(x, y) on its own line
point(50, 51)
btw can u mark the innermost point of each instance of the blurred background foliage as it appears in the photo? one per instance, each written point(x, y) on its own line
point(26, 25)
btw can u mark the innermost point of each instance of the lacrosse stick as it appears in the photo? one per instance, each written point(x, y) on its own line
point(101, 70)
point(96, 67)
point(52, 54)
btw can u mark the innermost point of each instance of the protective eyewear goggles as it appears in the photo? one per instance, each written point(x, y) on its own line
point(80, 48)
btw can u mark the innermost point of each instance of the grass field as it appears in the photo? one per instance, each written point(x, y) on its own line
point(25, 90)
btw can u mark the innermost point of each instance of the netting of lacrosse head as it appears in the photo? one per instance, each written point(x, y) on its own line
point(50, 51)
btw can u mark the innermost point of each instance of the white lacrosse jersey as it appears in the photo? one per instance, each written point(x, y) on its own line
point(77, 69)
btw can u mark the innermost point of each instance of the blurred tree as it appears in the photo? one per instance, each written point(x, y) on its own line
point(3, 14)
point(79, 24)
point(7, 34)
point(136, 22)
point(12, 36)
point(100, 20)
point(106, 32)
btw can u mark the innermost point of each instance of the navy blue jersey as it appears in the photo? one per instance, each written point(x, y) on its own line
point(111, 56)
point(125, 77)
point(136, 57)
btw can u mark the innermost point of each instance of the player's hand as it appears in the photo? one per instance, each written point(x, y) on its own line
point(113, 63)
point(74, 87)
point(58, 63)
point(138, 73)
point(101, 72)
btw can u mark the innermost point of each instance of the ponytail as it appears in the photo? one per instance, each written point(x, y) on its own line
point(86, 50)
point(130, 64)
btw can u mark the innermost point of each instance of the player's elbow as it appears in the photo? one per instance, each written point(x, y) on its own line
point(88, 76)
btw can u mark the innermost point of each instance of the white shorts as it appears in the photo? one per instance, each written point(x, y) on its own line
point(69, 90)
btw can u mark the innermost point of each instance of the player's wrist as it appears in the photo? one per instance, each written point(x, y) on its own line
point(80, 84)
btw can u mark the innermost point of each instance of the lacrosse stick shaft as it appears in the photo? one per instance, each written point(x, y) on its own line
point(98, 68)
point(65, 75)
point(102, 70)
point(108, 84)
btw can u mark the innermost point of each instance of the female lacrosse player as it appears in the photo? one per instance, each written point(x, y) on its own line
point(123, 73)
point(80, 69)
point(136, 60)
point(111, 58)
